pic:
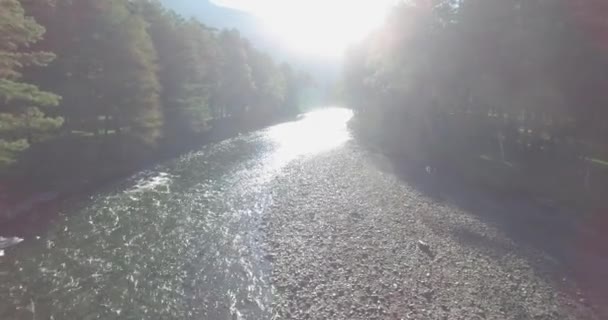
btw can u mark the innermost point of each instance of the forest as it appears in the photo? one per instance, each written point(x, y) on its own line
point(153, 166)
point(92, 89)
point(508, 94)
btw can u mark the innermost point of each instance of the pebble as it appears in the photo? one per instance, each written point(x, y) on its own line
point(366, 268)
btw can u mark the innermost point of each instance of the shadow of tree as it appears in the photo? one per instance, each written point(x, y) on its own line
point(557, 243)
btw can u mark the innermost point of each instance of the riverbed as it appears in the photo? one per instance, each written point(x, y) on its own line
point(301, 221)
point(178, 241)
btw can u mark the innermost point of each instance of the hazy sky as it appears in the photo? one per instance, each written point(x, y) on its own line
point(309, 34)
point(319, 28)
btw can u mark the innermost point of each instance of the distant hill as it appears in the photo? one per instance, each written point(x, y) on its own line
point(224, 18)
point(323, 72)
point(214, 16)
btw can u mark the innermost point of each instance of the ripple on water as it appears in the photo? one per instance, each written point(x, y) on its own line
point(160, 181)
point(173, 242)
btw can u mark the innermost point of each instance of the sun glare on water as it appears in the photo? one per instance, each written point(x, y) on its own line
point(316, 132)
point(323, 28)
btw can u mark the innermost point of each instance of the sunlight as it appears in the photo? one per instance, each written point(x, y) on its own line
point(317, 132)
point(316, 27)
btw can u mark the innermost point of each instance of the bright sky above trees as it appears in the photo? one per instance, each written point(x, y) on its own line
point(318, 28)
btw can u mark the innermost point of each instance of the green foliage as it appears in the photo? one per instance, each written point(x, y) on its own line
point(187, 54)
point(12, 92)
point(106, 68)
point(234, 77)
point(445, 82)
point(135, 81)
point(21, 122)
point(133, 72)
point(9, 150)
point(206, 74)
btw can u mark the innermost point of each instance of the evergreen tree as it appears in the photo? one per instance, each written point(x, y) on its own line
point(187, 52)
point(129, 72)
point(270, 84)
point(236, 87)
point(106, 68)
point(22, 121)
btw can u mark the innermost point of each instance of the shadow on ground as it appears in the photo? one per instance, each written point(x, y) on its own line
point(569, 253)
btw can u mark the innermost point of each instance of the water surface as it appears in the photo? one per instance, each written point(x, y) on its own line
point(179, 241)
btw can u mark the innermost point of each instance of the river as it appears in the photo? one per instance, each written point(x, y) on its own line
point(178, 241)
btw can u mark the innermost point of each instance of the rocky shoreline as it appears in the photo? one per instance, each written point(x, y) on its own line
point(348, 240)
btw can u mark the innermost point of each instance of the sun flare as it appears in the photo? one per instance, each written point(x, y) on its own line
point(323, 28)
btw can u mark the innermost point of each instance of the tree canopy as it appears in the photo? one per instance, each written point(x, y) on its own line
point(21, 120)
point(518, 83)
point(123, 80)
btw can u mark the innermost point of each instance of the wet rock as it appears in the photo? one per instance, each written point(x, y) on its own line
point(424, 247)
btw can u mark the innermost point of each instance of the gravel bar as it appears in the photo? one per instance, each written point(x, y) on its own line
point(349, 240)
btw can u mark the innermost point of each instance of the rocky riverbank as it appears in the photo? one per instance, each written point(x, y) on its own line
point(349, 239)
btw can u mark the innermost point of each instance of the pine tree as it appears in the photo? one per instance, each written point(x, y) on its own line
point(236, 87)
point(134, 74)
point(187, 55)
point(270, 84)
point(106, 69)
point(22, 121)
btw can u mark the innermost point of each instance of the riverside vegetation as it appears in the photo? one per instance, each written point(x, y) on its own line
point(93, 89)
point(508, 94)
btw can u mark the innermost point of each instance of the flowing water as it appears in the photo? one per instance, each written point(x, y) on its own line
point(179, 241)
